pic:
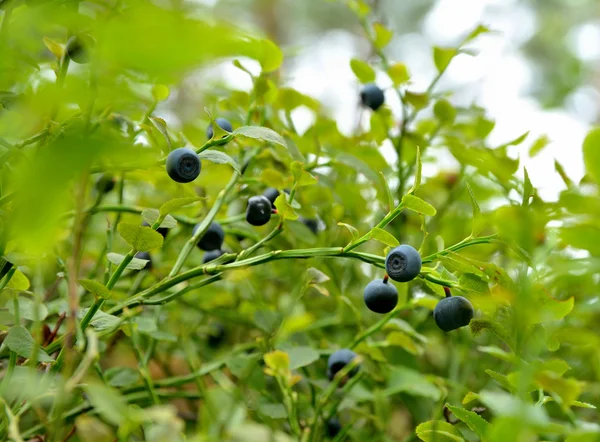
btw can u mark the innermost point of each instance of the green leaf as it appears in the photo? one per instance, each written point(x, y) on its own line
point(478, 325)
point(284, 209)
point(353, 231)
point(176, 203)
point(475, 422)
point(406, 380)
point(267, 320)
point(527, 189)
point(360, 7)
point(54, 47)
point(134, 264)
point(417, 100)
point(438, 431)
point(273, 178)
point(260, 133)
point(444, 111)
point(442, 57)
point(19, 340)
point(416, 204)
point(270, 56)
point(151, 215)
point(218, 157)
point(591, 153)
point(477, 218)
point(278, 361)
point(473, 283)
point(398, 73)
point(161, 126)
point(480, 29)
point(362, 71)
point(160, 92)
point(382, 35)
point(383, 237)
point(563, 175)
point(539, 145)
point(107, 401)
point(140, 238)
point(418, 171)
point(96, 288)
point(101, 321)
point(302, 356)
point(273, 411)
point(29, 309)
point(18, 281)
point(121, 376)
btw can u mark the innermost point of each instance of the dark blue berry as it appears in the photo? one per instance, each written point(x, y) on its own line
point(78, 48)
point(162, 230)
point(372, 96)
point(258, 211)
point(333, 427)
point(338, 360)
point(403, 263)
point(213, 238)
point(105, 183)
point(146, 256)
point(223, 124)
point(183, 165)
point(311, 223)
point(452, 313)
point(211, 255)
point(381, 296)
point(216, 335)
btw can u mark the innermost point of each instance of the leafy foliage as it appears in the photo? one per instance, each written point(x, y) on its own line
point(97, 346)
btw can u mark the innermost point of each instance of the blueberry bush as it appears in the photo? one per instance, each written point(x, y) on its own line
point(185, 266)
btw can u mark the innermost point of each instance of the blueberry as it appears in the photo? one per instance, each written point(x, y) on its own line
point(223, 124)
point(311, 223)
point(381, 296)
point(162, 230)
point(372, 96)
point(258, 212)
point(403, 263)
point(183, 165)
point(452, 313)
point(333, 427)
point(271, 193)
point(78, 48)
point(339, 360)
point(211, 255)
point(212, 238)
point(105, 183)
point(146, 256)
point(216, 335)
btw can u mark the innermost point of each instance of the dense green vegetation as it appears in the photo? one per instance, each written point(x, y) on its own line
point(212, 274)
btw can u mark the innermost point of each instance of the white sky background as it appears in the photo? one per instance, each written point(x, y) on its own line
point(497, 79)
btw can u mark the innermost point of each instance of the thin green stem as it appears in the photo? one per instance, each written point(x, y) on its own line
point(375, 327)
point(203, 226)
point(391, 216)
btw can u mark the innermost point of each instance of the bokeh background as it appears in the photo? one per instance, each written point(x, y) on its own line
point(540, 72)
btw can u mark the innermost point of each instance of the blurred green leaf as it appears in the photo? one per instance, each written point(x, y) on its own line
point(301, 356)
point(134, 264)
point(29, 309)
point(591, 153)
point(442, 57)
point(382, 35)
point(108, 403)
point(174, 204)
point(152, 215)
point(140, 238)
point(21, 342)
point(260, 133)
point(218, 157)
point(398, 73)
point(405, 380)
point(438, 431)
point(362, 71)
point(416, 204)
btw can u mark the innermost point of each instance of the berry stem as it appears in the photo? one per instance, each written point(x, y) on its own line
point(447, 291)
point(386, 278)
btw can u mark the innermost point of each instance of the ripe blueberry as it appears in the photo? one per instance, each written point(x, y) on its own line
point(212, 238)
point(333, 427)
point(162, 230)
point(146, 256)
point(216, 335)
point(105, 183)
point(183, 165)
point(381, 296)
point(372, 96)
point(311, 223)
point(258, 211)
point(211, 255)
point(452, 313)
point(403, 263)
point(223, 124)
point(78, 48)
point(338, 360)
